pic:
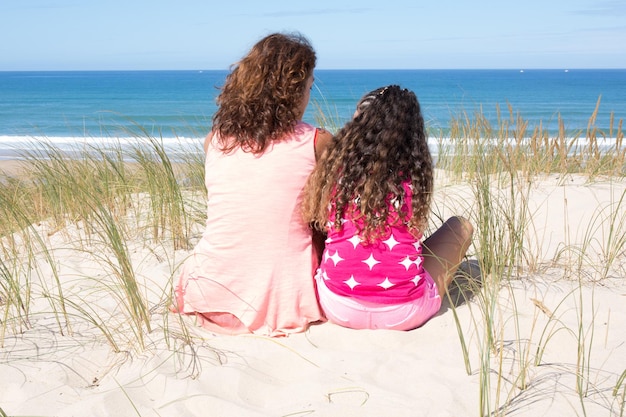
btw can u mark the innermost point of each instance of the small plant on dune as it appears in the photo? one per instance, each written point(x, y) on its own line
point(168, 211)
point(21, 246)
point(614, 242)
point(62, 177)
point(619, 392)
point(14, 300)
point(325, 113)
point(15, 283)
point(122, 268)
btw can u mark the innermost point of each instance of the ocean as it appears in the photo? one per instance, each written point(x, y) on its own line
point(95, 106)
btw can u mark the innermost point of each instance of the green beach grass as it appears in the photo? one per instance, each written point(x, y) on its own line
point(104, 210)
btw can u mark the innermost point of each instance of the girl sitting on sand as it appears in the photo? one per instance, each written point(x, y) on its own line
point(371, 194)
point(252, 271)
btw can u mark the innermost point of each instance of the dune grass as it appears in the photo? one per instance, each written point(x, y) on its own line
point(93, 201)
point(101, 192)
point(501, 164)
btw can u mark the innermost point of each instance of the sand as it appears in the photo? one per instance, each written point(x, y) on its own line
point(559, 349)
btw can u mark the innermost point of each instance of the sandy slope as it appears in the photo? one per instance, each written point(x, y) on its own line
point(571, 322)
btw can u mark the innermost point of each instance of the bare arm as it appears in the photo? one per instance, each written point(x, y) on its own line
point(207, 140)
point(323, 139)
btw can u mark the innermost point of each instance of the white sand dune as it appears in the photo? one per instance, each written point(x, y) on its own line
point(559, 340)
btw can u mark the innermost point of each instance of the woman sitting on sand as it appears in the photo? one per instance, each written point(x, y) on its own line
point(371, 193)
point(253, 269)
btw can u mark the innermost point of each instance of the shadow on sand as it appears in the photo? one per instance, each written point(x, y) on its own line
point(465, 284)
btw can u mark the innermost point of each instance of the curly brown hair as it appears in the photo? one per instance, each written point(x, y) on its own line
point(369, 159)
point(261, 98)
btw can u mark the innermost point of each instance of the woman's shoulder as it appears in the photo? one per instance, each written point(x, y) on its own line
point(207, 141)
point(304, 127)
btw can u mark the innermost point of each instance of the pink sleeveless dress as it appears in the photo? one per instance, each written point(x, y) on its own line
point(252, 271)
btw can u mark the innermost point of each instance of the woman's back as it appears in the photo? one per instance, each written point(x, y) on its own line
point(255, 260)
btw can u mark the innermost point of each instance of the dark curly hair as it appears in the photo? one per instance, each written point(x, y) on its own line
point(384, 145)
point(261, 98)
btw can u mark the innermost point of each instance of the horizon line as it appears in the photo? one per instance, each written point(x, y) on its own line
point(329, 69)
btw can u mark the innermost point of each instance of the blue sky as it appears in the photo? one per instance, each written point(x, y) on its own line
point(203, 34)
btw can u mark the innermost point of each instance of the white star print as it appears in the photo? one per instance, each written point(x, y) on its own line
point(335, 258)
point(391, 242)
point(407, 262)
point(371, 261)
point(386, 284)
point(416, 279)
point(355, 240)
point(351, 282)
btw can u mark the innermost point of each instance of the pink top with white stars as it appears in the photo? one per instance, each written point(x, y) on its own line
point(386, 271)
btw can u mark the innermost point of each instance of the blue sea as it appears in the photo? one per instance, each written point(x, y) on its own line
point(96, 106)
